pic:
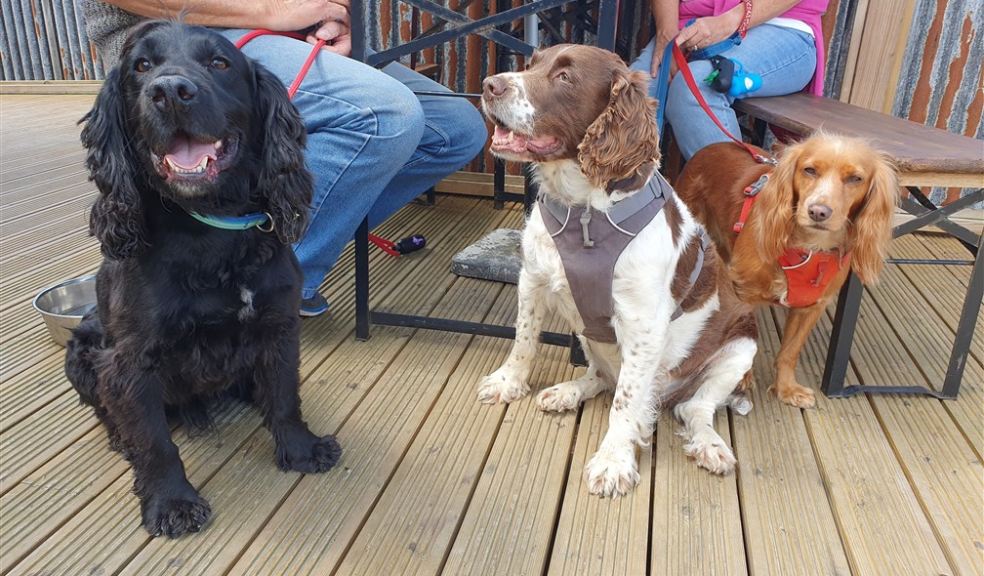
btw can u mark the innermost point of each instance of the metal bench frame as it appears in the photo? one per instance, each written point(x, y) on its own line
point(456, 25)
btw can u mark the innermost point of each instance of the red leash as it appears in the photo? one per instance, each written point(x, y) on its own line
point(384, 244)
point(688, 77)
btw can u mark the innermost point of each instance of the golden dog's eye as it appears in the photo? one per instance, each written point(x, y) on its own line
point(219, 63)
point(854, 179)
point(810, 171)
point(142, 65)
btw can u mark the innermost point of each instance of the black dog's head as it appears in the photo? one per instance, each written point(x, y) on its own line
point(187, 117)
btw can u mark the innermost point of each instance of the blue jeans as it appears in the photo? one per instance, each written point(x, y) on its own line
point(372, 144)
point(785, 58)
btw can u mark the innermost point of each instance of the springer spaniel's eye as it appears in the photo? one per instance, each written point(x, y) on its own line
point(810, 171)
point(563, 76)
point(853, 179)
point(142, 65)
point(219, 63)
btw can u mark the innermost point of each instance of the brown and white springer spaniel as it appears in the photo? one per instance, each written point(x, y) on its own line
point(587, 124)
point(830, 196)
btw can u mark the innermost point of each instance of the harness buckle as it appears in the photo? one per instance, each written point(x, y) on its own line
point(585, 233)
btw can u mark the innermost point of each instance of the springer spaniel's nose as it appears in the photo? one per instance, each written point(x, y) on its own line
point(172, 91)
point(495, 86)
point(819, 212)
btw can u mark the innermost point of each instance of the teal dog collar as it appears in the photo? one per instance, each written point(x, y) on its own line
point(255, 220)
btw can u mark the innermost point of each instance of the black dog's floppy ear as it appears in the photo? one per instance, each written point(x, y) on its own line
point(284, 179)
point(117, 216)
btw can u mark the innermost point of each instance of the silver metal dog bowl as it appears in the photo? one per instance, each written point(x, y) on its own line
point(63, 305)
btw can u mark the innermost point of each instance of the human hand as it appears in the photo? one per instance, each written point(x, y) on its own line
point(663, 37)
point(291, 15)
point(709, 30)
point(337, 37)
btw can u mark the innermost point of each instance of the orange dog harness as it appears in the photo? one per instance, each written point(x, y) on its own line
point(808, 272)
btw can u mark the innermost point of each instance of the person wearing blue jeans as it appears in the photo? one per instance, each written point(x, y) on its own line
point(372, 146)
point(781, 50)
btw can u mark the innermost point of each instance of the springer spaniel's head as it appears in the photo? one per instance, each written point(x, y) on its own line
point(576, 103)
point(833, 190)
point(186, 117)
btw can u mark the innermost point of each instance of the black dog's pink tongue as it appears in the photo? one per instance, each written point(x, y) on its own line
point(188, 154)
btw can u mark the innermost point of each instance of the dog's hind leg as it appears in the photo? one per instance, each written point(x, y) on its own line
point(568, 395)
point(719, 378)
point(277, 394)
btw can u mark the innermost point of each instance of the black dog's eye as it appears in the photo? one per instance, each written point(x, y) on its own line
point(219, 63)
point(810, 171)
point(142, 65)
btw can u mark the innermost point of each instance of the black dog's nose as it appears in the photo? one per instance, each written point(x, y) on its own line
point(495, 86)
point(168, 91)
point(819, 212)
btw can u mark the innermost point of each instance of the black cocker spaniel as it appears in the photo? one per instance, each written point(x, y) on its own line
point(187, 134)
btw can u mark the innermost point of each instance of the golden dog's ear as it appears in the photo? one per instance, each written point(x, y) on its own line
point(621, 147)
point(872, 225)
point(775, 206)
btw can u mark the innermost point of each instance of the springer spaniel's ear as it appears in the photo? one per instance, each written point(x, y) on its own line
point(621, 147)
point(117, 216)
point(284, 179)
point(872, 225)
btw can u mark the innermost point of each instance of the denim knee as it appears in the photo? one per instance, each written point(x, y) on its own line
point(399, 117)
point(679, 100)
point(464, 128)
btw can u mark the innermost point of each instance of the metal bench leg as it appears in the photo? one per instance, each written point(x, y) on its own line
point(965, 328)
point(499, 184)
point(362, 320)
point(841, 337)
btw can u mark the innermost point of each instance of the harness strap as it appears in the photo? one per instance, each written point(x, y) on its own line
point(751, 193)
point(695, 273)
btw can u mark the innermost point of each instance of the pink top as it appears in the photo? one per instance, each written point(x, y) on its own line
point(807, 11)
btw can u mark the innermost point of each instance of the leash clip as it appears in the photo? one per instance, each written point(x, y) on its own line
point(585, 233)
point(766, 160)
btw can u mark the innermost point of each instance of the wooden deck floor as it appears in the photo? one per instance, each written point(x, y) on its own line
point(432, 482)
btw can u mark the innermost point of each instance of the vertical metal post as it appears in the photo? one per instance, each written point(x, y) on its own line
point(362, 320)
point(531, 30)
point(607, 23)
point(498, 183)
point(841, 337)
point(965, 328)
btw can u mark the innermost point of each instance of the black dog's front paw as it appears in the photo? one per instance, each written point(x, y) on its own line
point(305, 452)
point(174, 515)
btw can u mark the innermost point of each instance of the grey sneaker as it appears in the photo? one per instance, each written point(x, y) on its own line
point(313, 306)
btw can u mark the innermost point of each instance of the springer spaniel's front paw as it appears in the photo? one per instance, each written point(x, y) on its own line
point(174, 515)
point(612, 472)
point(711, 453)
point(503, 385)
point(559, 398)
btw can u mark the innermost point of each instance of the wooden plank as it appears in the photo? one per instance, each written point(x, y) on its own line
point(857, 28)
point(477, 184)
point(410, 528)
point(507, 527)
point(942, 468)
point(107, 531)
point(601, 536)
point(51, 87)
point(321, 388)
point(911, 336)
point(37, 438)
point(374, 438)
point(788, 522)
point(696, 526)
point(882, 525)
point(913, 147)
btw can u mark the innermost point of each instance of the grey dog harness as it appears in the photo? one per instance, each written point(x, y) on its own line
point(590, 242)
